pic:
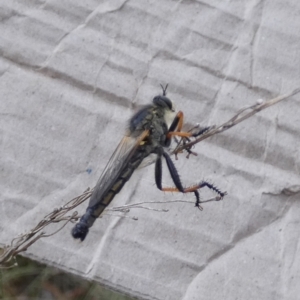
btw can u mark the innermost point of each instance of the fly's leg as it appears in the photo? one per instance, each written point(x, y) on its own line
point(177, 182)
point(202, 131)
point(175, 131)
point(177, 122)
point(176, 126)
point(186, 140)
point(210, 186)
point(173, 172)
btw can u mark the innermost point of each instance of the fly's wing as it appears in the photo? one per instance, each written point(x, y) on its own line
point(118, 160)
point(148, 161)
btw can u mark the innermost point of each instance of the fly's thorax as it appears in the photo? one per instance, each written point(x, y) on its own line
point(138, 122)
point(158, 126)
point(156, 118)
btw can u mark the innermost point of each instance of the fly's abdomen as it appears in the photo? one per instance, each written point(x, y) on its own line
point(118, 184)
point(94, 211)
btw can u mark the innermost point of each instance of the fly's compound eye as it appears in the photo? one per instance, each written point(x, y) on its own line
point(163, 102)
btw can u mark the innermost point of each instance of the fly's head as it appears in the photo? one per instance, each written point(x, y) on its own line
point(166, 105)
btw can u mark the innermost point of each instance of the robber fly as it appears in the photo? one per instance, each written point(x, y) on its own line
point(150, 130)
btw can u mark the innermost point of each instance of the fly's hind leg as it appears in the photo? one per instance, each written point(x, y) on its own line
point(211, 187)
point(177, 182)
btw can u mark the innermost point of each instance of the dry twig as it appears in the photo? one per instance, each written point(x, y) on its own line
point(240, 116)
point(23, 241)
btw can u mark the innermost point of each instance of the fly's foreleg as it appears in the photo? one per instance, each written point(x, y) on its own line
point(175, 131)
point(177, 122)
point(177, 182)
point(176, 126)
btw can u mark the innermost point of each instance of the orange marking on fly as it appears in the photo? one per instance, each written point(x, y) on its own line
point(178, 133)
point(180, 123)
point(141, 141)
point(189, 189)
